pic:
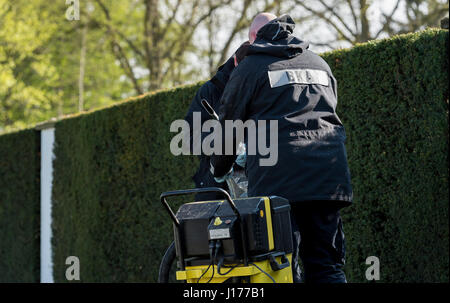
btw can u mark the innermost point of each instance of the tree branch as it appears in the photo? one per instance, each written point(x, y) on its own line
point(192, 28)
point(331, 10)
point(388, 20)
point(322, 16)
point(118, 51)
point(355, 18)
point(240, 24)
point(171, 19)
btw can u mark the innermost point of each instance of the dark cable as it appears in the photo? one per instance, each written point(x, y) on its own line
point(230, 269)
point(211, 252)
point(212, 276)
point(198, 281)
point(263, 272)
point(217, 246)
point(220, 265)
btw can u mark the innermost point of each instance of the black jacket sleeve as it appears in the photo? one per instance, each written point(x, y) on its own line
point(237, 94)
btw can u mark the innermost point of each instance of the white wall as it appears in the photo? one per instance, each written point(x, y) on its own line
point(47, 156)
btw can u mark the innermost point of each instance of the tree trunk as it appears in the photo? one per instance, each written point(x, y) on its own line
point(364, 36)
point(82, 68)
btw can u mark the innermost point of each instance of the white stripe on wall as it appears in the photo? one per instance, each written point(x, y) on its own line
point(47, 156)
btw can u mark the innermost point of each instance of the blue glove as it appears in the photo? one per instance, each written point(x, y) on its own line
point(242, 155)
point(241, 160)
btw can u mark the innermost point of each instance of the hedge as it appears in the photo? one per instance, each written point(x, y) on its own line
point(393, 100)
point(112, 164)
point(19, 206)
point(110, 168)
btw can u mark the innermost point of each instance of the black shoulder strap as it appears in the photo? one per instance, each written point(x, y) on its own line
point(218, 83)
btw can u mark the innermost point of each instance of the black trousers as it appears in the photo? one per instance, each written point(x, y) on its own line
point(319, 242)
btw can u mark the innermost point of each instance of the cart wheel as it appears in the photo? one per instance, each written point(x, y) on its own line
point(165, 269)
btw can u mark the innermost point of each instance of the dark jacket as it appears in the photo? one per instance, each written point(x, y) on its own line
point(211, 91)
point(280, 79)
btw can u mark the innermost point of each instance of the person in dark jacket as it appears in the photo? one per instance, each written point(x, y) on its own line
point(281, 80)
point(211, 91)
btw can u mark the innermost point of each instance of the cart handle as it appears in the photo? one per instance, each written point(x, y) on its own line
point(193, 191)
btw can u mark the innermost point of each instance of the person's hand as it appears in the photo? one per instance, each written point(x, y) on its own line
point(242, 155)
point(241, 160)
point(224, 178)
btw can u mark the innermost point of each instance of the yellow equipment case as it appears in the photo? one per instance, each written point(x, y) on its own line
point(245, 240)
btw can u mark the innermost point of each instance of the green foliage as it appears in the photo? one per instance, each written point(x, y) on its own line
point(393, 100)
point(117, 162)
point(40, 62)
point(19, 207)
point(26, 72)
point(111, 166)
